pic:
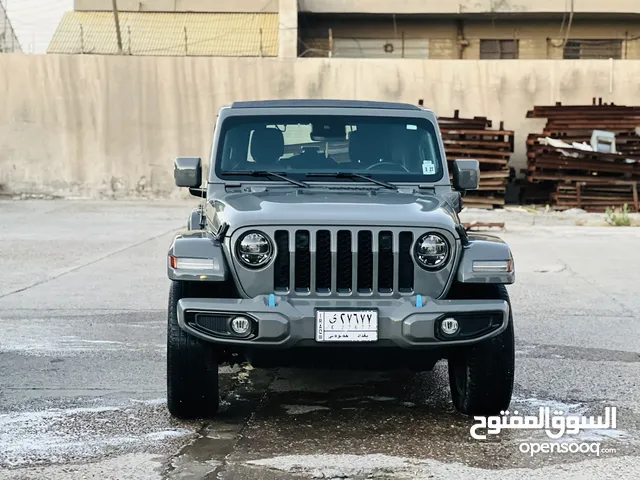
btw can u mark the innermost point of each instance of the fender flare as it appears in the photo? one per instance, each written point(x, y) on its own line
point(198, 244)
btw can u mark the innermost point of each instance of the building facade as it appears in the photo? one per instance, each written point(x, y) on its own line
point(471, 29)
point(419, 29)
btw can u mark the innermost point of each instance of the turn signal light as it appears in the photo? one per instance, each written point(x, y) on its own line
point(194, 264)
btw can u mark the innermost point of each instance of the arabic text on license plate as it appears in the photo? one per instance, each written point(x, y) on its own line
point(346, 326)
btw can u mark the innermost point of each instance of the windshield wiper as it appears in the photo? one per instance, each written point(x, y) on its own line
point(265, 173)
point(353, 175)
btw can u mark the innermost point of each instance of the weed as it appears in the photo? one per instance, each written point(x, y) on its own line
point(618, 218)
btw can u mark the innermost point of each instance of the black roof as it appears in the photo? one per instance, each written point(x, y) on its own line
point(324, 104)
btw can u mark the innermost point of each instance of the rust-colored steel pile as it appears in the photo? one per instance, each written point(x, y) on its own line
point(473, 138)
point(563, 168)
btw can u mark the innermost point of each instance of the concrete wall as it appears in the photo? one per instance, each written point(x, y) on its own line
point(288, 28)
point(111, 126)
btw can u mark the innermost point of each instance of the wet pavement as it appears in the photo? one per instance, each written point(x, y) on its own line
point(83, 295)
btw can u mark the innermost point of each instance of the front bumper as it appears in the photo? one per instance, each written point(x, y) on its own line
point(291, 321)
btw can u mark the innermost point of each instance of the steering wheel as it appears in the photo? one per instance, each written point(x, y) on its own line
point(397, 165)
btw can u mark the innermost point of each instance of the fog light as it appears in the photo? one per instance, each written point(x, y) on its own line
point(240, 325)
point(449, 326)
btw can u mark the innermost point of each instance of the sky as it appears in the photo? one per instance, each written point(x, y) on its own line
point(35, 21)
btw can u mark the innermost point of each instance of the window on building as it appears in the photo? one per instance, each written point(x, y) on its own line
point(592, 49)
point(381, 48)
point(499, 49)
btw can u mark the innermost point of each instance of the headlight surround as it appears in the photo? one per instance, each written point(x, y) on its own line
point(254, 249)
point(431, 251)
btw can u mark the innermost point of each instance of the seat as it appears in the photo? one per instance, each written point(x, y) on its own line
point(267, 146)
point(364, 148)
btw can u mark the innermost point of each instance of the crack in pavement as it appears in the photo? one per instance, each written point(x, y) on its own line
point(78, 267)
point(207, 455)
point(585, 279)
point(245, 425)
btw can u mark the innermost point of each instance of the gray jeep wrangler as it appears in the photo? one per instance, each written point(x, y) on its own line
point(328, 236)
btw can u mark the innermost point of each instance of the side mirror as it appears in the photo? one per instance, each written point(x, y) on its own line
point(466, 174)
point(187, 171)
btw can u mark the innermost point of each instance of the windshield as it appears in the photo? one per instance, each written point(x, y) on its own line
point(384, 148)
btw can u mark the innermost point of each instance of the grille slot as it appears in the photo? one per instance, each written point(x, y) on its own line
point(385, 262)
point(302, 261)
point(365, 262)
point(405, 263)
point(343, 262)
point(282, 262)
point(323, 261)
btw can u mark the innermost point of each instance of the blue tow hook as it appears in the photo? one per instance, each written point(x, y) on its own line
point(419, 301)
point(272, 300)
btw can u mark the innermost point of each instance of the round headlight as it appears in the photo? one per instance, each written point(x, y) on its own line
point(431, 251)
point(254, 249)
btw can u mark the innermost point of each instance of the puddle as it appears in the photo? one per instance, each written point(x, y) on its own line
point(302, 409)
point(532, 405)
point(321, 381)
point(381, 399)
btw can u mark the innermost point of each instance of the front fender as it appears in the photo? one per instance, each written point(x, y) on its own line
point(197, 244)
point(493, 261)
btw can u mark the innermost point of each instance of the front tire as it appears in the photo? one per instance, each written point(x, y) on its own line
point(192, 367)
point(481, 376)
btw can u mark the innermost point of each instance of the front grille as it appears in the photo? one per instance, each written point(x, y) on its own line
point(359, 262)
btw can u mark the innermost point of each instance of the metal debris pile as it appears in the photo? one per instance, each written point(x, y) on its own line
point(473, 138)
point(588, 157)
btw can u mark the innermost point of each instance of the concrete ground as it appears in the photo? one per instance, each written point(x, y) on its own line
point(83, 294)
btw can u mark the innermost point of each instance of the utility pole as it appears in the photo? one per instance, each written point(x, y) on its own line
point(6, 14)
point(4, 46)
point(116, 17)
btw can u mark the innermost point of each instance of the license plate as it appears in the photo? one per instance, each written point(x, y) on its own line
point(346, 325)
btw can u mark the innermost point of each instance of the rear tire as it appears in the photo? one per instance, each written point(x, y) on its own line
point(192, 367)
point(481, 376)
